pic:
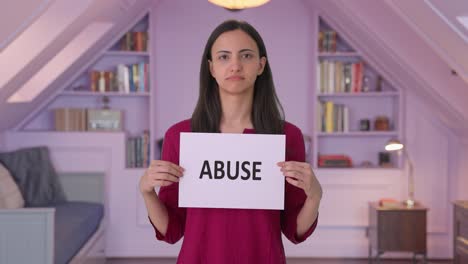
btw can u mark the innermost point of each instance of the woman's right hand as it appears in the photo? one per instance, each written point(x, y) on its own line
point(160, 173)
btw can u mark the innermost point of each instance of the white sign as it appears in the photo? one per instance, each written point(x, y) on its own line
point(231, 171)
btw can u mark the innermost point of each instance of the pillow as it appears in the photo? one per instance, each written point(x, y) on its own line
point(10, 195)
point(32, 170)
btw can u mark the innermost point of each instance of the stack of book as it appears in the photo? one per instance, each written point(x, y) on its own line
point(340, 77)
point(126, 79)
point(327, 41)
point(389, 203)
point(134, 41)
point(83, 119)
point(332, 117)
point(70, 119)
point(138, 151)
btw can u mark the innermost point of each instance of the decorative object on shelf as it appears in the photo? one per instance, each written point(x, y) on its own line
point(366, 164)
point(385, 160)
point(364, 124)
point(104, 120)
point(79, 88)
point(105, 102)
point(334, 161)
point(381, 123)
point(365, 84)
point(235, 5)
point(396, 145)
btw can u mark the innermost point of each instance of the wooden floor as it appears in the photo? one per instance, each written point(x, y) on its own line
point(289, 261)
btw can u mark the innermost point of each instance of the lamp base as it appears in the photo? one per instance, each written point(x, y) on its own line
point(409, 203)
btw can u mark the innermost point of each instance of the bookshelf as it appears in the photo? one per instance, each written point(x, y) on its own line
point(356, 109)
point(116, 81)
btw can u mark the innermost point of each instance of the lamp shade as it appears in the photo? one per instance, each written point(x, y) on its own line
point(238, 4)
point(394, 144)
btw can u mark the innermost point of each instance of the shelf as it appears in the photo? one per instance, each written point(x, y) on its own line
point(126, 53)
point(359, 134)
point(360, 94)
point(339, 54)
point(341, 67)
point(87, 93)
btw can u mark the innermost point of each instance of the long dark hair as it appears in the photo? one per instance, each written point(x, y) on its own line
point(267, 112)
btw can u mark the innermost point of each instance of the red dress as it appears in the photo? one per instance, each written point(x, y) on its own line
point(225, 236)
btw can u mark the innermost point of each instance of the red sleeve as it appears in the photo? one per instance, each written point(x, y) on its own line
point(294, 196)
point(169, 195)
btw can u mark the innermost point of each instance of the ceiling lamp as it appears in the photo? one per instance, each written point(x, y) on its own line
point(238, 4)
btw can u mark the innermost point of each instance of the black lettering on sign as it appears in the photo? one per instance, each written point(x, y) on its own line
point(246, 170)
point(255, 170)
point(220, 170)
point(230, 176)
point(206, 170)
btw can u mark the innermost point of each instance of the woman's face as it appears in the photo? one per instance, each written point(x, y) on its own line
point(235, 62)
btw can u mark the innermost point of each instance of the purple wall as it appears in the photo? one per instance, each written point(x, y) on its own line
point(288, 28)
point(180, 36)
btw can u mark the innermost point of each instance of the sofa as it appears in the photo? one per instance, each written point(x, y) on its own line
point(49, 217)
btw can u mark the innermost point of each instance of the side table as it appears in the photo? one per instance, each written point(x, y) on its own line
point(397, 228)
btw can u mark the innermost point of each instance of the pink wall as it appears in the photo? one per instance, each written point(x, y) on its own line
point(440, 158)
point(180, 36)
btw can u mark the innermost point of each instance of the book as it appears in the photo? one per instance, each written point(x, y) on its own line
point(389, 203)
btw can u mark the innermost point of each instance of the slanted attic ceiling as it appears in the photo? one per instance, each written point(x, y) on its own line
point(120, 13)
point(407, 41)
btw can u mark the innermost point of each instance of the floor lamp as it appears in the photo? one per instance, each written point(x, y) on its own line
point(396, 145)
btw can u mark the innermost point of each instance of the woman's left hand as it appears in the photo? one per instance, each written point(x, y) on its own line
point(300, 174)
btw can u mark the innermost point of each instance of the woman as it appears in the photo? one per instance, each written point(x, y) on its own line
point(237, 95)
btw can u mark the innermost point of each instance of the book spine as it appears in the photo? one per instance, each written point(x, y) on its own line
point(329, 117)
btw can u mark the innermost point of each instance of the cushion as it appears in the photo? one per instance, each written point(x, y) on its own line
point(10, 195)
point(32, 170)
